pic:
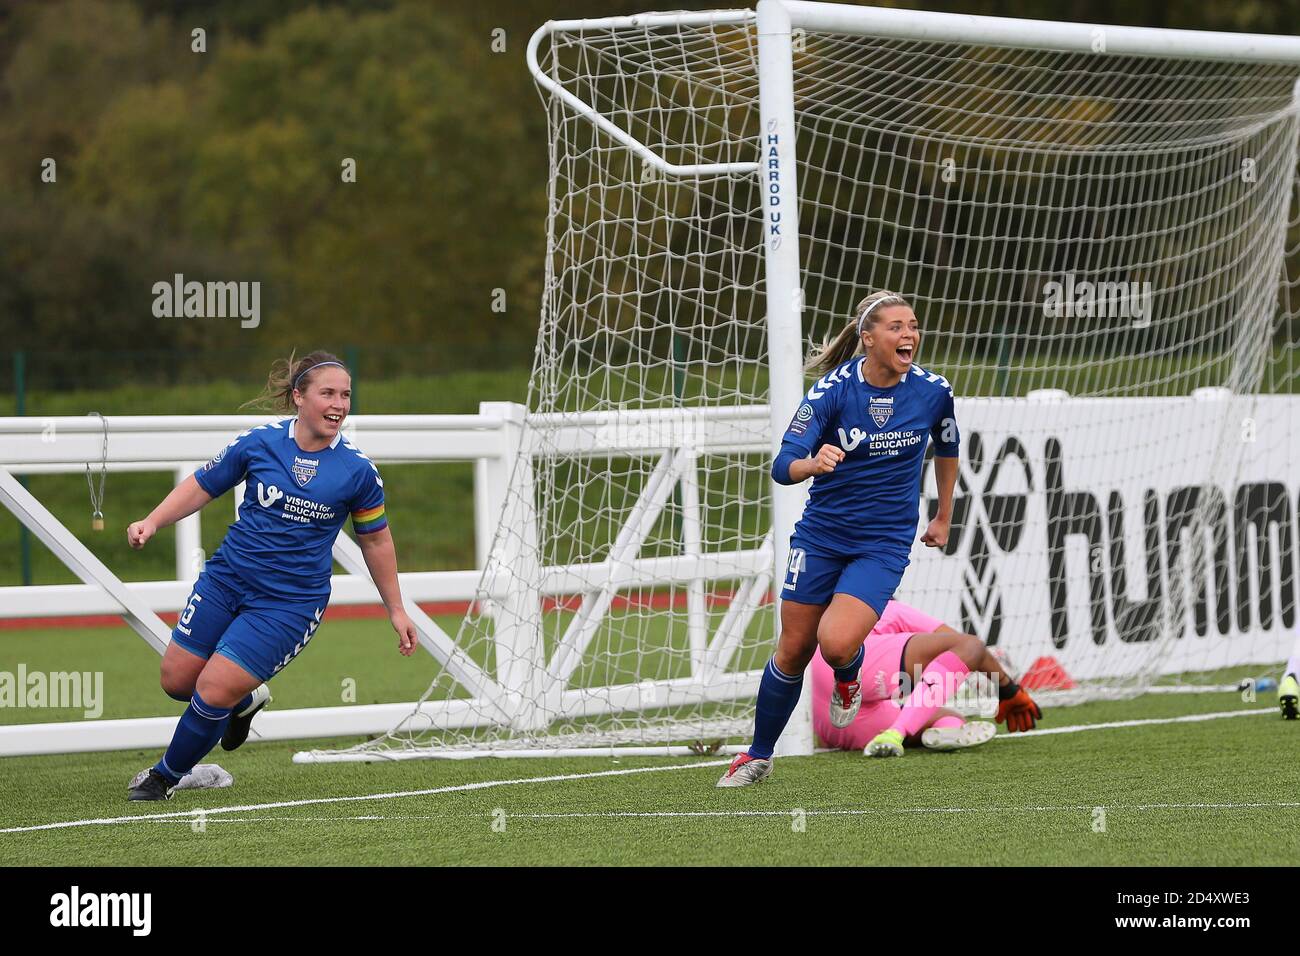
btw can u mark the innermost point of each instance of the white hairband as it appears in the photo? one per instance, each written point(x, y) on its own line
point(316, 366)
point(892, 299)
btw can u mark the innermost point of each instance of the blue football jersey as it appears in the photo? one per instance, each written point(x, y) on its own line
point(295, 503)
point(871, 500)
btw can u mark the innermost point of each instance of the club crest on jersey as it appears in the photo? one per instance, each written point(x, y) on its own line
point(881, 408)
point(304, 469)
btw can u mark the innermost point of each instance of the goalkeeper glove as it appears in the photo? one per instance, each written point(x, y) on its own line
point(1017, 709)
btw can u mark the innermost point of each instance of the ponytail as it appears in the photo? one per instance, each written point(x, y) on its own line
point(848, 342)
point(288, 374)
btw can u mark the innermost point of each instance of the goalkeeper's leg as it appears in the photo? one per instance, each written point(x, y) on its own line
point(951, 731)
point(940, 662)
point(1015, 707)
point(938, 680)
point(881, 673)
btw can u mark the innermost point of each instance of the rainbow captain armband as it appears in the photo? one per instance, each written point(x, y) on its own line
point(369, 520)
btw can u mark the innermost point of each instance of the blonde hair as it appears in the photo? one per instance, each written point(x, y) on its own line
point(284, 378)
point(849, 341)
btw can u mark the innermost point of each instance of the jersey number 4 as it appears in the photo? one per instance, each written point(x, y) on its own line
point(798, 561)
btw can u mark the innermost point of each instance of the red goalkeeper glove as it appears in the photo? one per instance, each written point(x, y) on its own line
point(1018, 710)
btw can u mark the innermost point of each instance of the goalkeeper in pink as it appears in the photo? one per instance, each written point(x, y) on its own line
point(907, 647)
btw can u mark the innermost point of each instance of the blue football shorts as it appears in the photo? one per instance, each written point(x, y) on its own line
point(812, 577)
point(259, 633)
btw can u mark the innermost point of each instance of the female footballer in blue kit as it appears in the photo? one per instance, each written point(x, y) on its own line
point(861, 433)
point(261, 596)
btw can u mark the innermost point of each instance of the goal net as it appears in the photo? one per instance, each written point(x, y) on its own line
point(1093, 235)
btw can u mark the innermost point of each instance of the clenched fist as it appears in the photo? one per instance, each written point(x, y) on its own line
point(824, 462)
point(138, 532)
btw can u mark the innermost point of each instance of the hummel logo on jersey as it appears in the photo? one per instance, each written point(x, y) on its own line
point(268, 496)
point(826, 381)
point(306, 639)
point(304, 469)
point(216, 459)
point(366, 458)
point(881, 408)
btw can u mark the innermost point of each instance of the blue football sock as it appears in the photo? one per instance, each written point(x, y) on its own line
point(198, 731)
point(777, 695)
point(242, 704)
point(850, 671)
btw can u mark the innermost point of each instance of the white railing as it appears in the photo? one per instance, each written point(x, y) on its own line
point(181, 443)
point(491, 440)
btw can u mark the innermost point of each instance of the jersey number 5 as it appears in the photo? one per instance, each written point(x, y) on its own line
point(188, 614)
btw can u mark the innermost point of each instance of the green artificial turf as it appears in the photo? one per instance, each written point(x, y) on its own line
point(1216, 792)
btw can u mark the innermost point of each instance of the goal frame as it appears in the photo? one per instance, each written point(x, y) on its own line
point(498, 439)
point(776, 23)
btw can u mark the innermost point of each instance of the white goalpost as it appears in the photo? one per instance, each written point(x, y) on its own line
point(1093, 223)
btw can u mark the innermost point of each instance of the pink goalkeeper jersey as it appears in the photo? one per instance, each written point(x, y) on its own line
point(900, 618)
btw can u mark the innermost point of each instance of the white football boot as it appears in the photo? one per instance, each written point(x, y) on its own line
point(842, 713)
point(970, 734)
point(745, 770)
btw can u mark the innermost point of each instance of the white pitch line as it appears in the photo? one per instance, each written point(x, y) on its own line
point(482, 785)
point(487, 784)
point(895, 811)
point(1146, 722)
point(672, 814)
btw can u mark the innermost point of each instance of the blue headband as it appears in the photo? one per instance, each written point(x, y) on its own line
point(891, 299)
point(317, 365)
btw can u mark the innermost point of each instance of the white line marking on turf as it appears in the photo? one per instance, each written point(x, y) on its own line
point(869, 811)
point(859, 812)
point(1146, 722)
point(190, 815)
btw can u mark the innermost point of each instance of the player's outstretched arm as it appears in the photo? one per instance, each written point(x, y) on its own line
point(185, 499)
point(381, 560)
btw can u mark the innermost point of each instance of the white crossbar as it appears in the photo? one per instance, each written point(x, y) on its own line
point(1039, 34)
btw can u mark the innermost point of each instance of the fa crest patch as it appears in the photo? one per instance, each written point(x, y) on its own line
point(881, 408)
point(304, 469)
